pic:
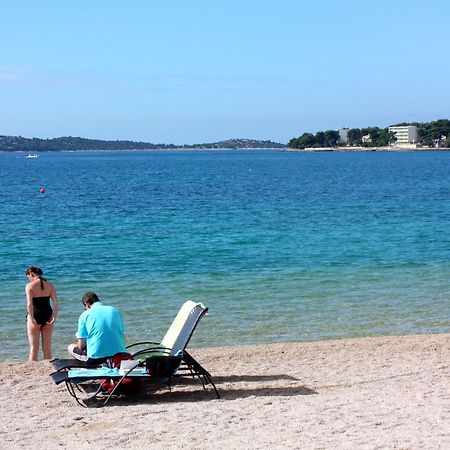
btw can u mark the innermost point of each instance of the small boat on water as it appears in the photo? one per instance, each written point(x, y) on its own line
point(32, 155)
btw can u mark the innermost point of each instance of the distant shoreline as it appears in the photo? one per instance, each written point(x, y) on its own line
point(365, 149)
point(228, 149)
point(180, 149)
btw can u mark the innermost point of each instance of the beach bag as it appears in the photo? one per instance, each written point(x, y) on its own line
point(162, 366)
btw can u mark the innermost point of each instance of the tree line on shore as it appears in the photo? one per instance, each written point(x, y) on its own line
point(19, 143)
point(429, 135)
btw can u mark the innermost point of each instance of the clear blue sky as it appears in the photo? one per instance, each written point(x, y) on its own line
point(201, 71)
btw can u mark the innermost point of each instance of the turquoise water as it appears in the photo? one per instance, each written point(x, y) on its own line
point(280, 246)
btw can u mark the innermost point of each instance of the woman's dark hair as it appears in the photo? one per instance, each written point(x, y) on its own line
point(38, 272)
point(90, 298)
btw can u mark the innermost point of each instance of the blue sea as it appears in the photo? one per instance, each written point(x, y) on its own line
point(280, 246)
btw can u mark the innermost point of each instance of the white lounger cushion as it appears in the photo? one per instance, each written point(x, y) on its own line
point(181, 329)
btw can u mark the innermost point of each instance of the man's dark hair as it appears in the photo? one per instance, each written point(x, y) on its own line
point(90, 298)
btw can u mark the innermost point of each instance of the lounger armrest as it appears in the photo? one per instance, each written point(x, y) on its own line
point(156, 350)
point(142, 343)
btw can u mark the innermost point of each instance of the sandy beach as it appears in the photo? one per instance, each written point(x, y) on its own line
point(372, 393)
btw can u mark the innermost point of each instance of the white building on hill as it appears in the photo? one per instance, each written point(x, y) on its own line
point(405, 135)
point(343, 136)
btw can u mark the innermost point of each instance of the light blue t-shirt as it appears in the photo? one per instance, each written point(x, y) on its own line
point(102, 327)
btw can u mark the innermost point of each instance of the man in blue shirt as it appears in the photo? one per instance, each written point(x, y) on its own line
point(100, 331)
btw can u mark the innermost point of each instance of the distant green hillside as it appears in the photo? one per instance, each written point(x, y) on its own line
point(19, 143)
point(239, 144)
point(428, 134)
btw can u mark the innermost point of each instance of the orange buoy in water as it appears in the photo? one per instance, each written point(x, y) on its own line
point(42, 190)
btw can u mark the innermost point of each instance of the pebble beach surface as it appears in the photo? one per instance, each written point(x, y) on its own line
point(371, 393)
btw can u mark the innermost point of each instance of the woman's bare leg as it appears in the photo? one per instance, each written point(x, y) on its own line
point(46, 333)
point(34, 332)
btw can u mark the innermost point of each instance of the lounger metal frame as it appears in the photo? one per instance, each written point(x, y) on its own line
point(188, 367)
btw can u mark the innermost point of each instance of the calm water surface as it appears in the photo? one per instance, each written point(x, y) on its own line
point(279, 246)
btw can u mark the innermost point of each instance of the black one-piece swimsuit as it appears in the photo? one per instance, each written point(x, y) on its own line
point(42, 311)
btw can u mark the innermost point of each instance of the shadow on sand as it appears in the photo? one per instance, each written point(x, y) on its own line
point(230, 388)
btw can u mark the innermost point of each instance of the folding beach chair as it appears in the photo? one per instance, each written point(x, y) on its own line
point(153, 362)
point(175, 342)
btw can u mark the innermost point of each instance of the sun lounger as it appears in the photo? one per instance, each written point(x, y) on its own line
point(158, 363)
point(175, 342)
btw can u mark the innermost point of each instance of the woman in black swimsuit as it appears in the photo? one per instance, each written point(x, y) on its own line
point(41, 316)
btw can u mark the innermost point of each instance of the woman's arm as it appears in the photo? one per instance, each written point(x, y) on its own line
point(30, 311)
point(54, 297)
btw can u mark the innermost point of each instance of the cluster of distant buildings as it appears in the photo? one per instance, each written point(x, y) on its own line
point(405, 137)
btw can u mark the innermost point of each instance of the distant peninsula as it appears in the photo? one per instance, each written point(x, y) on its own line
point(19, 143)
